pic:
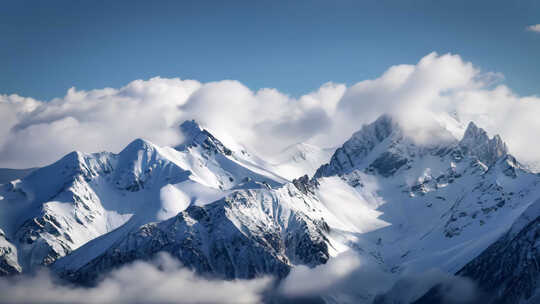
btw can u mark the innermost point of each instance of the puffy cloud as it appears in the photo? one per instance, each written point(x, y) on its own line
point(412, 93)
point(266, 120)
point(36, 133)
point(423, 96)
point(347, 277)
point(534, 28)
point(160, 281)
point(435, 92)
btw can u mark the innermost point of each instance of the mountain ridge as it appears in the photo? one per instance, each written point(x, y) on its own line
point(400, 204)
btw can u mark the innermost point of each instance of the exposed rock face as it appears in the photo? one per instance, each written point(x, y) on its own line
point(466, 185)
point(195, 136)
point(509, 269)
point(246, 234)
point(8, 257)
point(387, 164)
point(476, 142)
point(385, 131)
point(354, 150)
point(305, 185)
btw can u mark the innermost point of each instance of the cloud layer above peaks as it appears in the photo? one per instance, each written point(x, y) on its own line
point(432, 93)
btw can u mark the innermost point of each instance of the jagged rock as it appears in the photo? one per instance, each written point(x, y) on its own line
point(508, 270)
point(240, 236)
point(195, 135)
point(476, 142)
point(354, 150)
point(387, 164)
point(8, 257)
point(83, 196)
point(304, 184)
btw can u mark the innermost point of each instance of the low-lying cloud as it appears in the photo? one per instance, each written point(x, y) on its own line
point(353, 278)
point(423, 97)
point(347, 278)
point(160, 281)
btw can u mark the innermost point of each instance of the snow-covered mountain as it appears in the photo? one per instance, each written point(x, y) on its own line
point(442, 205)
point(58, 208)
point(407, 206)
point(435, 199)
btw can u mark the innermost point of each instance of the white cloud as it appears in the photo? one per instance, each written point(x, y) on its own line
point(347, 278)
point(266, 120)
point(37, 133)
point(351, 278)
point(436, 86)
point(534, 28)
point(34, 133)
point(160, 281)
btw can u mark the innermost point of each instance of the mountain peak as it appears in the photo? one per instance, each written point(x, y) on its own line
point(138, 144)
point(473, 132)
point(476, 141)
point(354, 151)
point(381, 128)
point(195, 136)
point(190, 129)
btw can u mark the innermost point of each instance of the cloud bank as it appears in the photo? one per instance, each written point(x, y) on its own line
point(534, 28)
point(347, 278)
point(435, 91)
point(160, 281)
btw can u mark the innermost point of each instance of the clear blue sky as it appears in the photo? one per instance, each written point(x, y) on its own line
point(47, 47)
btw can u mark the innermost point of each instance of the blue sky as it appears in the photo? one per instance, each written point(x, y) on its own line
point(294, 46)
